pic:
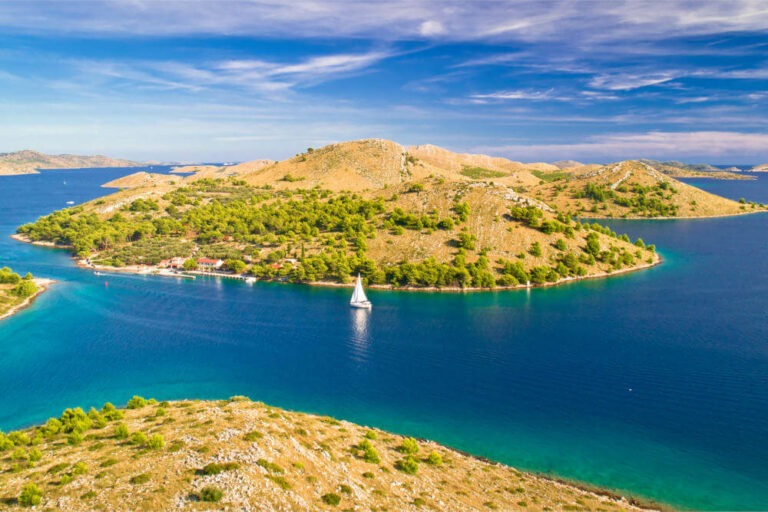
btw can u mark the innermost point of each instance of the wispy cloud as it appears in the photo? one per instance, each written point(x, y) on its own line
point(255, 75)
point(514, 95)
point(398, 19)
point(655, 144)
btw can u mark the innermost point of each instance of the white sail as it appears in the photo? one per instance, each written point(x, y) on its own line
point(358, 296)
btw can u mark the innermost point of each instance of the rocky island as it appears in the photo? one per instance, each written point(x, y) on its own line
point(28, 162)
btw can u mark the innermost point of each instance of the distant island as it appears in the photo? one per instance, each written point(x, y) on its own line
point(231, 454)
point(17, 292)
point(419, 217)
point(28, 162)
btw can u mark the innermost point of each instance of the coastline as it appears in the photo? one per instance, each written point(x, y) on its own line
point(149, 270)
point(42, 286)
point(703, 217)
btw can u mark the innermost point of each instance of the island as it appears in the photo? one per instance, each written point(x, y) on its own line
point(414, 218)
point(28, 162)
point(417, 218)
point(235, 454)
point(17, 292)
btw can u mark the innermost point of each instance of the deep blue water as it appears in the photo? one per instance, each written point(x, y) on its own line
point(652, 383)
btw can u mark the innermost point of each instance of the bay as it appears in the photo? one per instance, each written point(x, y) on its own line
point(652, 383)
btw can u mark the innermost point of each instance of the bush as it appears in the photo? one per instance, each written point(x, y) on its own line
point(121, 431)
point(409, 446)
point(156, 442)
point(211, 494)
point(435, 459)
point(138, 438)
point(331, 498)
point(253, 435)
point(79, 468)
point(111, 413)
point(74, 439)
point(136, 402)
point(408, 465)
point(140, 479)
point(30, 496)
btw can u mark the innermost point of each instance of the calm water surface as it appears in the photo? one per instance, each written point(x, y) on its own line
point(652, 383)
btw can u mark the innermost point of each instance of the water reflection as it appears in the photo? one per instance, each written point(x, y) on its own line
point(360, 335)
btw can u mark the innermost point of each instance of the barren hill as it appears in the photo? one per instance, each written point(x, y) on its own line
point(28, 162)
point(241, 455)
point(633, 189)
point(142, 179)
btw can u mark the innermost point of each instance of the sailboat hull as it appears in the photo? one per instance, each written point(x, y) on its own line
point(361, 305)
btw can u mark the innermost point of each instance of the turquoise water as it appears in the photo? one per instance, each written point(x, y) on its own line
point(653, 383)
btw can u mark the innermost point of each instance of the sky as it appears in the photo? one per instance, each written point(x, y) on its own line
point(547, 80)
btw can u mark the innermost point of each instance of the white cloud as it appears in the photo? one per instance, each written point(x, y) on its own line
point(629, 81)
point(563, 20)
point(514, 95)
point(431, 28)
point(719, 146)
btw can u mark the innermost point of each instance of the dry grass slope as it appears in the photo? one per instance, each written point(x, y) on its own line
point(254, 457)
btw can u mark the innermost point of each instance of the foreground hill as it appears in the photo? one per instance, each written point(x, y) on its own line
point(242, 455)
point(633, 189)
point(367, 207)
point(28, 162)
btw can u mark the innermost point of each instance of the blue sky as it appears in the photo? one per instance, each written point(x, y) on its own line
point(212, 80)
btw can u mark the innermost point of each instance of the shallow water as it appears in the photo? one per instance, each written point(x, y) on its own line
point(652, 383)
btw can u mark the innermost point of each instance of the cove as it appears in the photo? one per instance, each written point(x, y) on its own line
point(651, 383)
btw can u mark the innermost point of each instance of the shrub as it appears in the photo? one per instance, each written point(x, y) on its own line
point(35, 455)
point(156, 442)
point(280, 481)
point(345, 489)
point(435, 459)
point(30, 496)
point(269, 466)
point(111, 413)
point(211, 494)
point(121, 431)
point(409, 446)
point(212, 469)
point(140, 479)
point(331, 498)
point(74, 439)
point(19, 454)
point(369, 475)
point(136, 402)
point(253, 436)
point(408, 465)
point(79, 469)
point(138, 438)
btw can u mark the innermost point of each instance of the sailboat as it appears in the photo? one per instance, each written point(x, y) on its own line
point(359, 300)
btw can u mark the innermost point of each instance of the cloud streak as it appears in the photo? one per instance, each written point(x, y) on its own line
point(655, 144)
point(390, 19)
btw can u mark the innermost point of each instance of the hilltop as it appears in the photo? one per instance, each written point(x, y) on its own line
point(368, 206)
point(28, 162)
point(241, 455)
point(633, 189)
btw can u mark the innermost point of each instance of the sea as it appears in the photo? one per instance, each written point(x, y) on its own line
point(653, 384)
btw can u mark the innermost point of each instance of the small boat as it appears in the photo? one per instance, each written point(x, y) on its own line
point(250, 280)
point(359, 300)
point(97, 273)
point(70, 202)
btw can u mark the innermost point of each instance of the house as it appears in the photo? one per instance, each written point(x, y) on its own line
point(176, 263)
point(209, 264)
